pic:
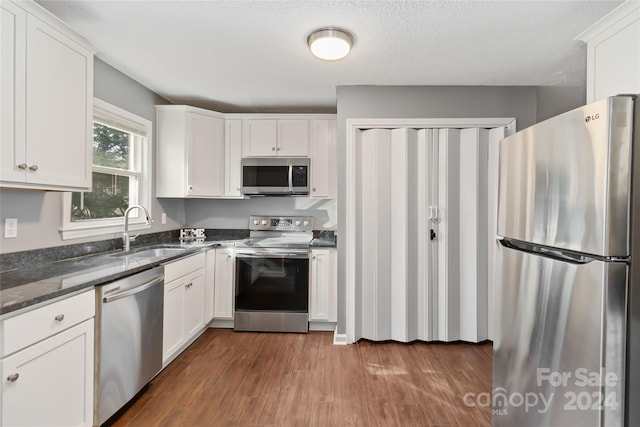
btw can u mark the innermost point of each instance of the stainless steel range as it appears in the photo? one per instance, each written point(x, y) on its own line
point(272, 275)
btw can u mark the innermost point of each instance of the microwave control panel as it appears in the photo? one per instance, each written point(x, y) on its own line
point(299, 176)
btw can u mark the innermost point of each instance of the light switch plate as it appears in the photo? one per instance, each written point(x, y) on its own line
point(10, 228)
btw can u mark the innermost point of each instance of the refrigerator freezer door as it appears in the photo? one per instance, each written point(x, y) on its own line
point(565, 182)
point(560, 347)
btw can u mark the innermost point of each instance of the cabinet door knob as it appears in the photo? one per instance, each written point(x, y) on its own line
point(59, 317)
point(33, 168)
point(314, 189)
point(278, 149)
point(314, 257)
point(273, 148)
point(22, 166)
point(13, 377)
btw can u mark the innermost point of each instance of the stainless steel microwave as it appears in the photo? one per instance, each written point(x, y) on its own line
point(275, 176)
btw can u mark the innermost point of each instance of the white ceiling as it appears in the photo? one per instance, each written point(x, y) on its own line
point(246, 55)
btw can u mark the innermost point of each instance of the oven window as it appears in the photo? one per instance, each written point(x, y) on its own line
point(272, 284)
point(265, 176)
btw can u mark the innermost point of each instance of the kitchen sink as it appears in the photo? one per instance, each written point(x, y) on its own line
point(155, 252)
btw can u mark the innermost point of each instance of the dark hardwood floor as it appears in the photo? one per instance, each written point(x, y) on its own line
point(229, 378)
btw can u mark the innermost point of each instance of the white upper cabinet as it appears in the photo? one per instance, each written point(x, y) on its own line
point(191, 152)
point(47, 102)
point(613, 53)
point(200, 151)
point(323, 158)
point(260, 138)
point(275, 137)
point(233, 158)
point(293, 138)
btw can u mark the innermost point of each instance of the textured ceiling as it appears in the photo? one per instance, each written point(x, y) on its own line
point(252, 55)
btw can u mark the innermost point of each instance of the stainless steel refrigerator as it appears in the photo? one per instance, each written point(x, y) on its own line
point(567, 325)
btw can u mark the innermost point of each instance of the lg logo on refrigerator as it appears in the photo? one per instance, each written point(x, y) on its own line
point(594, 117)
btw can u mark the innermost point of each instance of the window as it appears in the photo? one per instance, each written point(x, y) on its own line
point(121, 176)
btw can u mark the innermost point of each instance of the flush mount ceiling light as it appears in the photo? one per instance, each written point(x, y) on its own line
point(330, 44)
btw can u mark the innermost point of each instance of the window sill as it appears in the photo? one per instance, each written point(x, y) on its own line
point(80, 231)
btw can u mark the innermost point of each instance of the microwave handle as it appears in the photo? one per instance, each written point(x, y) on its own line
point(291, 176)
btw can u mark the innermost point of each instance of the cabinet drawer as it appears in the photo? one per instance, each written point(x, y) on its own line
point(179, 268)
point(28, 328)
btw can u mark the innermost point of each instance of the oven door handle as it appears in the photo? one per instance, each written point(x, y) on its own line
point(291, 176)
point(273, 254)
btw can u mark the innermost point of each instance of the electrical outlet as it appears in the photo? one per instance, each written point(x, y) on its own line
point(10, 228)
point(164, 218)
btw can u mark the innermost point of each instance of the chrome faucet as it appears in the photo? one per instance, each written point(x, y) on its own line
point(126, 240)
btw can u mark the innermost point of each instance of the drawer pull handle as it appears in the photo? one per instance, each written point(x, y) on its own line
point(60, 317)
point(13, 377)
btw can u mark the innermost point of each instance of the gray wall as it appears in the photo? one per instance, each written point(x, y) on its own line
point(235, 213)
point(39, 213)
point(436, 102)
point(552, 100)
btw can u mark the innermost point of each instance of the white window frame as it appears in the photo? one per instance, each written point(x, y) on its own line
point(110, 115)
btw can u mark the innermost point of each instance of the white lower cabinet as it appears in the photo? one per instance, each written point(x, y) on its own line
point(323, 285)
point(209, 284)
point(173, 318)
point(49, 380)
point(51, 383)
point(194, 304)
point(224, 281)
point(184, 303)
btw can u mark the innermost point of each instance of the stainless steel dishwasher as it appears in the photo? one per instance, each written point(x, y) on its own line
point(128, 350)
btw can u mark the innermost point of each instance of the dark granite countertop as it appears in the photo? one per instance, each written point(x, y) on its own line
point(33, 277)
point(41, 282)
point(323, 243)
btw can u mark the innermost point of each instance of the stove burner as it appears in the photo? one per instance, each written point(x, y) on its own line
point(279, 232)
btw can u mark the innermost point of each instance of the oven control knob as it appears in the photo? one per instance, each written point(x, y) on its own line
point(305, 223)
point(297, 222)
point(256, 221)
point(264, 222)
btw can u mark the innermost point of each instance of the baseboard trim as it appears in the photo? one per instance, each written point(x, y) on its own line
point(322, 326)
point(339, 339)
point(221, 323)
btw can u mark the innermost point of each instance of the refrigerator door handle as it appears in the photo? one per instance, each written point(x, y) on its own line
point(570, 257)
